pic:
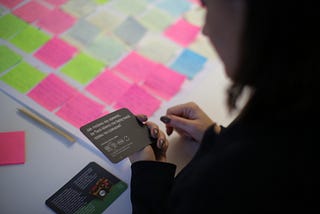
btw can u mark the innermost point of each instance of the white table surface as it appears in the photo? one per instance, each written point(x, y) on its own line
point(51, 161)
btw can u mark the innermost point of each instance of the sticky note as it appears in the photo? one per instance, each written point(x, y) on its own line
point(138, 101)
point(80, 110)
point(10, 3)
point(101, 1)
point(30, 39)
point(175, 8)
point(56, 21)
point(203, 46)
point(196, 16)
point(158, 48)
point(10, 25)
point(83, 32)
point(108, 87)
point(130, 7)
point(156, 20)
point(182, 32)
point(31, 11)
point(189, 63)
point(83, 68)
point(23, 77)
point(130, 31)
point(107, 48)
point(164, 82)
point(105, 19)
point(52, 92)
point(8, 58)
point(79, 8)
point(55, 52)
point(12, 147)
point(135, 66)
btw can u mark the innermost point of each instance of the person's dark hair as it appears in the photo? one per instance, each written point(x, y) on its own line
point(278, 56)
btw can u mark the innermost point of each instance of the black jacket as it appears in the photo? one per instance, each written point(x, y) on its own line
point(250, 167)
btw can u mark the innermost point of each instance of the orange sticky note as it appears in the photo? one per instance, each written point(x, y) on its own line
point(12, 147)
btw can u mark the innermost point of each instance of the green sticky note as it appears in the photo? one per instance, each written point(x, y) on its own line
point(83, 68)
point(23, 77)
point(156, 20)
point(30, 39)
point(8, 58)
point(10, 25)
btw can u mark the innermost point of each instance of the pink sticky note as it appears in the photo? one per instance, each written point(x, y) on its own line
point(108, 87)
point(56, 21)
point(135, 66)
point(182, 32)
point(52, 92)
point(138, 101)
point(55, 52)
point(164, 82)
point(12, 147)
point(10, 3)
point(56, 2)
point(196, 2)
point(80, 110)
point(31, 11)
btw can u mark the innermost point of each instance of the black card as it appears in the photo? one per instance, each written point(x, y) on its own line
point(92, 190)
point(118, 134)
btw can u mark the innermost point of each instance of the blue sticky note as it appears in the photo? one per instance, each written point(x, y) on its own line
point(189, 63)
point(176, 7)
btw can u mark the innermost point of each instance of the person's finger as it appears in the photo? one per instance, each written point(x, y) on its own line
point(176, 122)
point(154, 129)
point(142, 118)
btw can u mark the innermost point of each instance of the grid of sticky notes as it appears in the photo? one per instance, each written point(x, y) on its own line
point(102, 54)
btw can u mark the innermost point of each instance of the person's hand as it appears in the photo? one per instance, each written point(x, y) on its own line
point(188, 120)
point(153, 152)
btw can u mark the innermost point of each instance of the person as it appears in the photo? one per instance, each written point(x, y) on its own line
point(262, 161)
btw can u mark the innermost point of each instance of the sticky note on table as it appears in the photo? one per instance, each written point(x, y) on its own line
point(10, 25)
point(175, 8)
point(135, 66)
point(139, 101)
point(83, 68)
point(56, 2)
point(31, 11)
point(56, 22)
point(80, 110)
point(156, 20)
point(182, 32)
point(52, 92)
point(55, 52)
point(189, 63)
point(10, 3)
point(12, 147)
point(30, 39)
point(164, 82)
point(23, 77)
point(130, 7)
point(108, 87)
point(8, 58)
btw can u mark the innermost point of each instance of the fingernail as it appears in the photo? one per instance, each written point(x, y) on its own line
point(165, 119)
point(161, 142)
point(155, 132)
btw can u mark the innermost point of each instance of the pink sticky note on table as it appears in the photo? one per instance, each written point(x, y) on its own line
point(10, 3)
point(12, 147)
point(135, 66)
point(52, 92)
point(138, 101)
point(182, 32)
point(80, 110)
point(164, 82)
point(56, 21)
point(31, 11)
point(55, 52)
point(108, 87)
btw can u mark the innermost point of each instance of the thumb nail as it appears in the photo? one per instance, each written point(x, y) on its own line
point(165, 119)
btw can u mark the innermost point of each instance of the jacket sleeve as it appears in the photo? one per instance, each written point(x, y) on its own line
point(151, 183)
